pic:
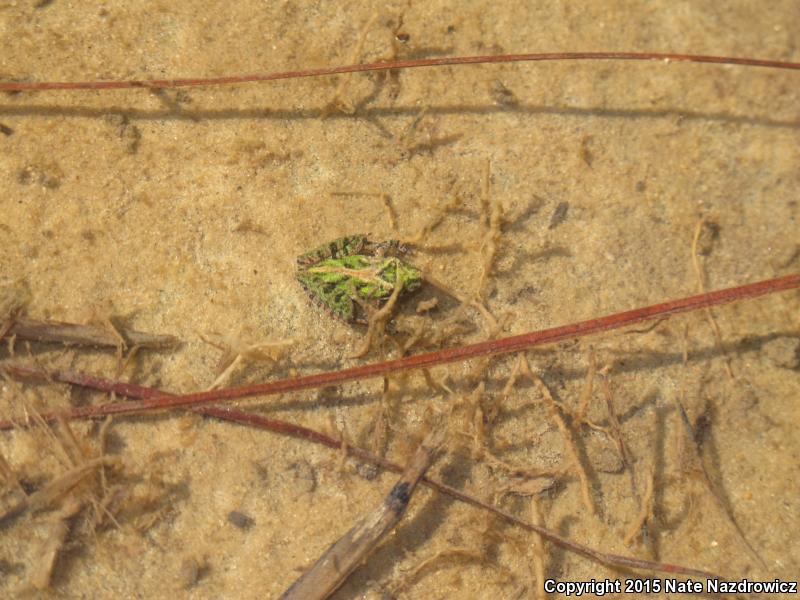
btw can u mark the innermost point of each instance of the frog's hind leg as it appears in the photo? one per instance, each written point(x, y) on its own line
point(335, 301)
point(342, 306)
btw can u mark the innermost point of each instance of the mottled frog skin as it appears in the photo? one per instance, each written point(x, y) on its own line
point(350, 271)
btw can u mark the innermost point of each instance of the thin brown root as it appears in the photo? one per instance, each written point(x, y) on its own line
point(586, 392)
point(391, 211)
point(534, 483)
point(48, 433)
point(120, 345)
point(566, 433)
point(13, 498)
point(69, 442)
point(18, 502)
point(377, 323)
point(639, 525)
point(336, 104)
point(107, 505)
point(432, 281)
point(537, 547)
point(721, 505)
point(494, 327)
point(128, 360)
point(455, 556)
point(505, 392)
point(434, 222)
point(616, 430)
point(701, 287)
point(439, 386)
point(475, 419)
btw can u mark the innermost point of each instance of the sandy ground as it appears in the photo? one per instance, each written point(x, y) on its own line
point(182, 212)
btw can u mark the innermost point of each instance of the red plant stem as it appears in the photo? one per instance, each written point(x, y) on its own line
point(396, 64)
point(298, 431)
point(423, 361)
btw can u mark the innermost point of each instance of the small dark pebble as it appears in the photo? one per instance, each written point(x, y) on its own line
point(5, 129)
point(559, 215)
point(240, 520)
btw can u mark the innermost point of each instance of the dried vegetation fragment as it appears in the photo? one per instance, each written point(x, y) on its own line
point(238, 353)
point(73, 491)
point(304, 433)
point(474, 409)
point(566, 433)
point(45, 554)
point(15, 325)
point(705, 234)
point(694, 463)
point(57, 506)
point(474, 401)
point(352, 549)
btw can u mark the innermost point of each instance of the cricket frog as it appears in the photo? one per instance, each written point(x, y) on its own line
point(353, 272)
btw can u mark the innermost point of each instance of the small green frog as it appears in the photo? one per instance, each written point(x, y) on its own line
point(352, 271)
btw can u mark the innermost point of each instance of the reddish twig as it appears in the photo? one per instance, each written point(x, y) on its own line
point(395, 64)
point(430, 359)
point(240, 417)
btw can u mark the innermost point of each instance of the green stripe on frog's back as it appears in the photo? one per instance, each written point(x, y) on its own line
point(351, 271)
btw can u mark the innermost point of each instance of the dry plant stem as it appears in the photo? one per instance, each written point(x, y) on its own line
point(616, 432)
point(566, 433)
point(351, 550)
point(84, 335)
point(586, 392)
point(506, 345)
point(304, 433)
point(711, 487)
point(645, 512)
point(53, 491)
point(397, 64)
point(408, 579)
point(537, 547)
point(701, 287)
